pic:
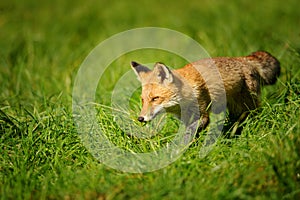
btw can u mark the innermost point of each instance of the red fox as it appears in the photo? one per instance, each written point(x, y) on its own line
point(164, 89)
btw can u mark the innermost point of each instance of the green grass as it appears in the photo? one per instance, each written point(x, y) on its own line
point(43, 45)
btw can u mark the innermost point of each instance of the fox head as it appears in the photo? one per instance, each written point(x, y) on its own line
point(159, 90)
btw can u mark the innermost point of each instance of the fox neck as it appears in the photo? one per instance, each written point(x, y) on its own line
point(185, 90)
point(186, 101)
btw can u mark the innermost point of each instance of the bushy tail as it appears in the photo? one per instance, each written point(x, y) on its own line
point(267, 66)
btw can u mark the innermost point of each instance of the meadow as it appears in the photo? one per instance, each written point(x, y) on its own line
point(44, 43)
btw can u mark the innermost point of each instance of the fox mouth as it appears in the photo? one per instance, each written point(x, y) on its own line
point(145, 119)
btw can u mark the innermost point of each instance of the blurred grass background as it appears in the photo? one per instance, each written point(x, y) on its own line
point(43, 44)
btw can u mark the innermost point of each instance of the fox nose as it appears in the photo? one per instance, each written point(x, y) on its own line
point(141, 119)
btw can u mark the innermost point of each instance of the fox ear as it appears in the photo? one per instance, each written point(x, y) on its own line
point(139, 70)
point(163, 73)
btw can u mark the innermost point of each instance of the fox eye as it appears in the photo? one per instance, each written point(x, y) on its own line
point(154, 98)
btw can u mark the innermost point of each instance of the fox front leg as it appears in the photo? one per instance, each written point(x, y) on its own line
point(203, 122)
point(195, 127)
